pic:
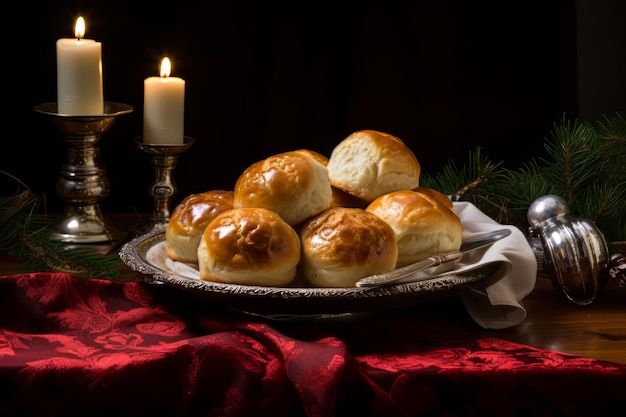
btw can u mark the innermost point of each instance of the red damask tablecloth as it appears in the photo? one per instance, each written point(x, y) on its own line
point(71, 346)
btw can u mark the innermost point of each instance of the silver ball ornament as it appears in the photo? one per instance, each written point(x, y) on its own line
point(570, 250)
point(546, 207)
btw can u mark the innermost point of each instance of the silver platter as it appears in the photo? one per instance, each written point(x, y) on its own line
point(296, 302)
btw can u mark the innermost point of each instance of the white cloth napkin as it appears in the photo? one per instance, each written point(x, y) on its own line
point(494, 303)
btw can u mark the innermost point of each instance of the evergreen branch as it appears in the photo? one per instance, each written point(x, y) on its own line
point(524, 186)
point(471, 179)
point(613, 130)
point(17, 211)
point(584, 165)
point(44, 254)
point(613, 138)
point(575, 157)
point(605, 205)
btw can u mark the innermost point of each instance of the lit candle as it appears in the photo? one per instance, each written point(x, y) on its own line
point(164, 108)
point(79, 75)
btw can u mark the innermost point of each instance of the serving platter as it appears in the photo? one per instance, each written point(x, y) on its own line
point(145, 255)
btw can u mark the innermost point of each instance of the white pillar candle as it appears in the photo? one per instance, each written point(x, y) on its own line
point(79, 75)
point(164, 108)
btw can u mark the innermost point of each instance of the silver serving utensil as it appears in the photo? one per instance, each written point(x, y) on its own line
point(402, 273)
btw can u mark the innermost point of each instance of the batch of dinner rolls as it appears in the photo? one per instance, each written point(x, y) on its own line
point(300, 218)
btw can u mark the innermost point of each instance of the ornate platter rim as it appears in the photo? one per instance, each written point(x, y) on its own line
point(294, 300)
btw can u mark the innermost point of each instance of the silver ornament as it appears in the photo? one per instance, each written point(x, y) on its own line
point(570, 250)
point(617, 269)
point(545, 208)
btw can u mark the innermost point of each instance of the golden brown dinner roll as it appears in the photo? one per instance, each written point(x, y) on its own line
point(315, 155)
point(423, 226)
point(293, 184)
point(438, 195)
point(340, 197)
point(249, 246)
point(342, 245)
point(188, 220)
point(369, 163)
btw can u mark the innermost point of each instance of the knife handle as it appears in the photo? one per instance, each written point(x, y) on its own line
point(401, 273)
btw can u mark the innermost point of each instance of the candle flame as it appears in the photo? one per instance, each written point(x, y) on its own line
point(80, 28)
point(166, 67)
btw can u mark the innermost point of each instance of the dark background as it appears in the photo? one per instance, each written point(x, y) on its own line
point(264, 77)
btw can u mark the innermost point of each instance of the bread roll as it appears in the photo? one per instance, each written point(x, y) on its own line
point(188, 220)
point(369, 163)
point(342, 245)
point(423, 226)
point(315, 155)
point(293, 184)
point(438, 195)
point(340, 197)
point(249, 246)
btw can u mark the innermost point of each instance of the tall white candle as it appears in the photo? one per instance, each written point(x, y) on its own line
point(79, 75)
point(164, 108)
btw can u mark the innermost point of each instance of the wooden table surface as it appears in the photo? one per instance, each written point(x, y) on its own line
point(597, 330)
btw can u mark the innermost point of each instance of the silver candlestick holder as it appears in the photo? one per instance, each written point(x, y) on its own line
point(164, 159)
point(83, 183)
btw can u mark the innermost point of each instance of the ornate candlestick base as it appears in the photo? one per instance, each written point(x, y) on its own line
point(83, 183)
point(164, 159)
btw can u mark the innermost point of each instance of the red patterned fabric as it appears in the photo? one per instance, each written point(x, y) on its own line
point(71, 346)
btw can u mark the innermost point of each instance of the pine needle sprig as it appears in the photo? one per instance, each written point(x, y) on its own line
point(45, 254)
point(612, 133)
point(472, 179)
point(523, 186)
point(478, 181)
point(604, 204)
point(613, 130)
point(584, 165)
point(575, 157)
point(17, 211)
